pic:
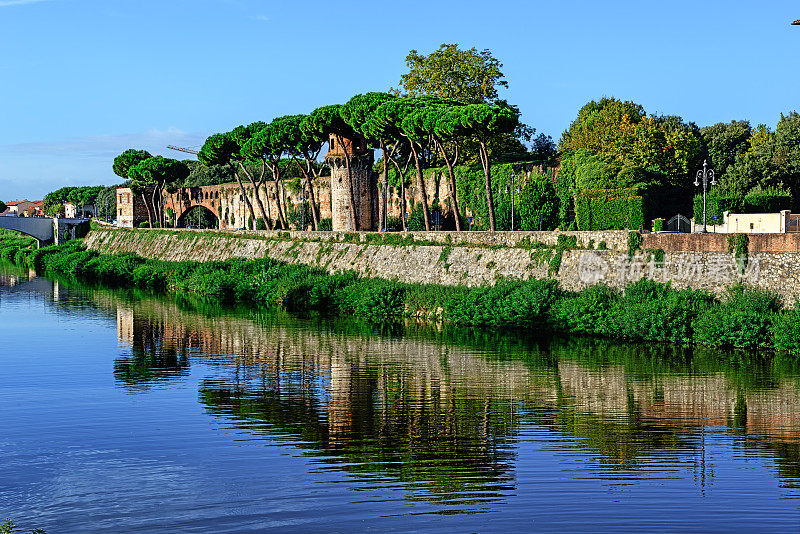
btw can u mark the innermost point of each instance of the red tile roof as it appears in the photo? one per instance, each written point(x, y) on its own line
point(16, 202)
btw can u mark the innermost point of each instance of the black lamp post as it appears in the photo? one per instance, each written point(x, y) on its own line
point(704, 175)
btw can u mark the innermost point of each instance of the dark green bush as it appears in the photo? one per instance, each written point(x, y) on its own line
point(586, 312)
point(786, 331)
point(743, 320)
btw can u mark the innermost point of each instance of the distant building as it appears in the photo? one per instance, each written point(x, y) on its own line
point(71, 211)
point(131, 209)
point(17, 207)
point(34, 210)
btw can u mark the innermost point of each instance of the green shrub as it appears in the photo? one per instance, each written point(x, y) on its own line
point(654, 311)
point(743, 320)
point(144, 224)
point(786, 331)
point(658, 225)
point(510, 304)
point(585, 312)
point(372, 298)
point(325, 225)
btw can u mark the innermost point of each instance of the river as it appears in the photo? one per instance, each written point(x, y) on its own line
point(124, 412)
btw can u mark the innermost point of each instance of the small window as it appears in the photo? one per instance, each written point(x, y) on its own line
point(751, 226)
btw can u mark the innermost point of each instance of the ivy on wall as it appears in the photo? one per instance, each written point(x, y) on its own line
point(609, 209)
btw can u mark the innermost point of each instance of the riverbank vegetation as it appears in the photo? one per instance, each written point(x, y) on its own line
point(646, 310)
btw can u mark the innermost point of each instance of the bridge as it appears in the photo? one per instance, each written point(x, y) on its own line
point(46, 230)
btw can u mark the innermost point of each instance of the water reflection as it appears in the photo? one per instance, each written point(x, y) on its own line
point(439, 411)
point(443, 414)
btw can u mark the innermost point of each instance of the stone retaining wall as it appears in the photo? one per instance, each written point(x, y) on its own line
point(719, 242)
point(469, 264)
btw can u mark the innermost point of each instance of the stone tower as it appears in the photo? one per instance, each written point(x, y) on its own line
point(364, 186)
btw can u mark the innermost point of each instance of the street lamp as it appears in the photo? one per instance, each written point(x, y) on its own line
point(704, 175)
point(303, 199)
point(513, 190)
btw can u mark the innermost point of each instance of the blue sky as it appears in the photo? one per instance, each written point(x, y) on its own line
point(82, 80)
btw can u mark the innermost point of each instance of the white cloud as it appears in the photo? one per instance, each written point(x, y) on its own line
point(6, 3)
point(262, 18)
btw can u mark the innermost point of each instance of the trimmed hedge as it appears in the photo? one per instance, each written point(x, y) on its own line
point(609, 209)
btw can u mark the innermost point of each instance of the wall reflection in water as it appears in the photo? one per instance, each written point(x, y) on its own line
point(440, 412)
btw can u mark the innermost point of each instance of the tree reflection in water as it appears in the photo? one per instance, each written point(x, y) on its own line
point(439, 411)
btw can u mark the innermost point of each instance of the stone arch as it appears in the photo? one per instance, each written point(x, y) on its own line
point(185, 219)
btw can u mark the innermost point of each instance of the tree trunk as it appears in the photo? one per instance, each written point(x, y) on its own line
point(311, 197)
point(276, 178)
point(421, 183)
point(487, 173)
point(256, 189)
point(246, 198)
point(149, 215)
point(452, 175)
point(402, 176)
point(383, 192)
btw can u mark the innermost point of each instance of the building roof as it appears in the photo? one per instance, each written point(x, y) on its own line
point(18, 202)
point(796, 23)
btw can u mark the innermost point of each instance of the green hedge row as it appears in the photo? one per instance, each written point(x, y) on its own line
point(646, 310)
point(609, 209)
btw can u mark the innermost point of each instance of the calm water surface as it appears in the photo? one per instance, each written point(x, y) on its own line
point(129, 413)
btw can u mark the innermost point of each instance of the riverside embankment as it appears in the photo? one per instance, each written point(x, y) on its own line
point(483, 258)
point(303, 276)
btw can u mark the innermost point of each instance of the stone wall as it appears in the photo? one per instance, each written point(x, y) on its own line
point(719, 242)
point(462, 262)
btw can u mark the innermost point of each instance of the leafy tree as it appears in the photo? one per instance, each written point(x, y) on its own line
point(300, 142)
point(620, 146)
point(387, 122)
point(201, 174)
point(470, 76)
point(84, 196)
point(771, 162)
point(439, 121)
point(222, 149)
point(128, 159)
point(121, 167)
point(162, 173)
point(326, 121)
point(543, 148)
point(3, 206)
point(483, 122)
point(107, 202)
point(241, 135)
point(597, 124)
point(360, 112)
point(267, 146)
point(726, 141)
